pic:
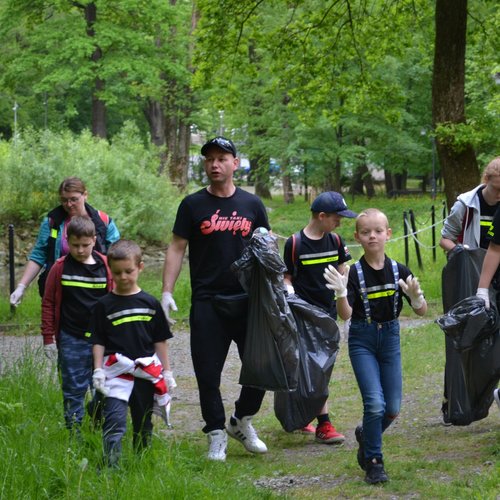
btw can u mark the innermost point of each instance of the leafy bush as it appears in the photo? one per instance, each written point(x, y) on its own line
point(121, 178)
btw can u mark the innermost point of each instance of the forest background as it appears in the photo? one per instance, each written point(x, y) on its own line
point(374, 98)
point(321, 95)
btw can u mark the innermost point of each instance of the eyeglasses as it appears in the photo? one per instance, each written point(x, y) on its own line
point(73, 199)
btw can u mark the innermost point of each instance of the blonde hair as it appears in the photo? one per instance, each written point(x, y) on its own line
point(370, 212)
point(491, 170)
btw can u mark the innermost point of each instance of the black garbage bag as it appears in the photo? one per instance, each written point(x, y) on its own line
point(473, 332)
point(468, 322)
point(461, 274)
point(318, 347)
point(270, 359)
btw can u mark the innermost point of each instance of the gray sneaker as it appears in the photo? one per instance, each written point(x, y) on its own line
point(244, 432)
point(496, 396)
point(217, 445)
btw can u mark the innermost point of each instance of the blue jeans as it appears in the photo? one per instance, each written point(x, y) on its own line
point(75, 363)
point(375, 353)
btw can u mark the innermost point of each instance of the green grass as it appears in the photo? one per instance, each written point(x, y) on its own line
point(424, 459)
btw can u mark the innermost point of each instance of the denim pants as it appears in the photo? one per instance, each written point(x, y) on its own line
point(115, 420)
point(211, 337)
point(375, 353)
point(75, 364)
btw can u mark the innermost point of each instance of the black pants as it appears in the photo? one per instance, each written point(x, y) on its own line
point(211, 337)
point(115, 420)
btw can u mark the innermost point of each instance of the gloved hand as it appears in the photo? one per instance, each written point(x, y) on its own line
point(289, 289)
point(412, 288)
point(99, 381)
point(336, 281)
point(168, 303)
point(17, 295)
point(169, 379)
point(483, 293)
point(50, 350)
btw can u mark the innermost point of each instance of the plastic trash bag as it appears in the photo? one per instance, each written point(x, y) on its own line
point(473, 332)
point(460, 276)
point(468, 322)
point(270, 358)
point(318, 347)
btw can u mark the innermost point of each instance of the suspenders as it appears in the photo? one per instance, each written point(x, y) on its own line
point(378, 293)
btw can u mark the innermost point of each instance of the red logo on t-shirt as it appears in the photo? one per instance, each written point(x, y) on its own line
point(233, 223)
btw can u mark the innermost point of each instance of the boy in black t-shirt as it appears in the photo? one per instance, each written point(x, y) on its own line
point(306, 254)
point(74, 285)
point(371, 295)
point(129, 333)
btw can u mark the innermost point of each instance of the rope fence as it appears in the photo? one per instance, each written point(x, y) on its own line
point(411, 234)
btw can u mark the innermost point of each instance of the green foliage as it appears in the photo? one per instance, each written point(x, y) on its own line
point(120, 177)
point(50, 63)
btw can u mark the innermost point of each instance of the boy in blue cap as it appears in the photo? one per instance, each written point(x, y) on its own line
point(306, 255)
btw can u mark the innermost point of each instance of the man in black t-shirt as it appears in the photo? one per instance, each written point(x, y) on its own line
point(216, 222)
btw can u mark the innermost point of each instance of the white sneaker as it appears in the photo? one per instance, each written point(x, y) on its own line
point(244, 432)
point(217, 445)
point(496, 396)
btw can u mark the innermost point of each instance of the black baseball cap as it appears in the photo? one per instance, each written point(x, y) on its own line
point(332, 202)
point(220, 142)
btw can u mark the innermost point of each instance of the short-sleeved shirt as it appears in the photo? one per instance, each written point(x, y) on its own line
point(217, 230)
point(128, 324)
point(486, 219)
point(494, 230)
point(311, 258)
point(380, 287)
point(82, 285)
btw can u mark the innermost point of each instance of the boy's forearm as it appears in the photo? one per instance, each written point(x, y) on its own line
point(344, 310)
point(98, 355)
point(490, 265)
point(161, 349)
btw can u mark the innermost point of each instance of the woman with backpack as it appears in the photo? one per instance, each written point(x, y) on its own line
point(52, 242)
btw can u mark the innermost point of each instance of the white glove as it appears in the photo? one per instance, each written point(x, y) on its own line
point(289, 289)
point(168, 303)
point(169, 379)
point(336, 281)
point(17, 295)
point(412, 288)
point(99, 381)
point(50, 350)
point(483, 293)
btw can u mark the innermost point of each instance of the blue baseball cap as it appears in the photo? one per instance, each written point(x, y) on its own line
point(332, 202)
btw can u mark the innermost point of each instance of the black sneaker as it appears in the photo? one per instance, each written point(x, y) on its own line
point(375, 472)
point(361, 449)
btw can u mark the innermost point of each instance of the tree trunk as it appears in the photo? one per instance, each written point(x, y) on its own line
point(389, 184)
point(98, 105)
point(261, 178)
point(155, 117)
point(458, 166)
point(362, 178)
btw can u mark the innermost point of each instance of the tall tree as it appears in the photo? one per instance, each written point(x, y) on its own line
point(458, 161)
